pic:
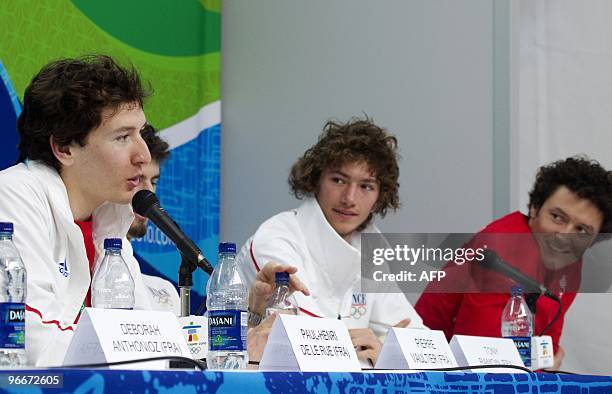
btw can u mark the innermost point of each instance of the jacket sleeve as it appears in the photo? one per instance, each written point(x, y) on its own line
point(276, 245)
point(47, 336)
point(439, 311)
point(271, 242)
point(547, 309)
point(440, 302)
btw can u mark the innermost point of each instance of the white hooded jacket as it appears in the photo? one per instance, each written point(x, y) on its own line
point(328, 265)
point(34, 198)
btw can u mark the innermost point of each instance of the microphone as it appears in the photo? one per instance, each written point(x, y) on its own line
point(493, 262)
point(145, 203)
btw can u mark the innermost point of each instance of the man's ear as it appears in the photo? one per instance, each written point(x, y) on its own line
point(533, 212)
point(63, 153)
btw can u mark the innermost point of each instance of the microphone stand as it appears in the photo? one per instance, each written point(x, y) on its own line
point(186, 279)
point(185, 283)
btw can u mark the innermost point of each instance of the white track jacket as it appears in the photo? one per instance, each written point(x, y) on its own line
point(34, 198)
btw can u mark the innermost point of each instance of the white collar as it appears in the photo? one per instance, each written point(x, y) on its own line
point(109, 220)
point(338, 260)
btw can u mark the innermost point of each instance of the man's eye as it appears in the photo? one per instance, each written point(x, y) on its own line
point(583, 230)
point(368, 187)
point(338, 180)
point(123, 137)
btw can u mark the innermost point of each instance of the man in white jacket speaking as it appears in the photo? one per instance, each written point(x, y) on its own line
point(349, 176)
point(81, 161)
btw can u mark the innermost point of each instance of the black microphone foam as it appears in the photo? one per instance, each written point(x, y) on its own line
point(143, 200)
point(145, 203)
point(493, 262)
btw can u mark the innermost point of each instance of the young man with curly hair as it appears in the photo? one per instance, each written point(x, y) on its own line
point(569, 205)
point(349, 176)
point(81, 161)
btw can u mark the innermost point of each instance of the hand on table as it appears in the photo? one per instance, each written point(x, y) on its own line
point(558, 359)
point(367, 344)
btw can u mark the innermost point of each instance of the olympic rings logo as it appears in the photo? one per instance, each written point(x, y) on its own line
point(357, 311)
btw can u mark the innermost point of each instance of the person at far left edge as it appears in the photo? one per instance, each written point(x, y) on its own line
point(81, 161)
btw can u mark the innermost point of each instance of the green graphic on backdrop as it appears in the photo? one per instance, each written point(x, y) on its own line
point(172, 28)
point(35, 32)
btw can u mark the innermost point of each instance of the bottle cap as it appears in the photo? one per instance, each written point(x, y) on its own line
point(227, 247)
point(516, 290)
point(6, 227)
point(112, 243)
point(282, 277)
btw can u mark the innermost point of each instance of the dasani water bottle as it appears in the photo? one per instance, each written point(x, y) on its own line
point(112, 286)
point(278, 302)
point(227, 303)
point(13, 283)
point(517, 323)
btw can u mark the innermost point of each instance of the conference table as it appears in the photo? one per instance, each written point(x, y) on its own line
point(252, 382)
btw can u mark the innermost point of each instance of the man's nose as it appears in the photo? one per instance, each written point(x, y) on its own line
point(348, 196)
point(141, 154)
point(563, 237)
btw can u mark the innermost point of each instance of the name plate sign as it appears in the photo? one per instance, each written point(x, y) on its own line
point(409, 348)
point(301, 343)
point(471, 350)
point(109, 335)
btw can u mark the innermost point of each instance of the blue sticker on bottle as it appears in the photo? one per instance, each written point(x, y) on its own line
point(12, 330)
point(523, 345)
point(227, 330)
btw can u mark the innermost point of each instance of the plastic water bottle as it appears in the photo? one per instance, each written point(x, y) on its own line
point(278, 302)
point(517, 323)
point(227, 302)
point(112, 286)
point(13, 284)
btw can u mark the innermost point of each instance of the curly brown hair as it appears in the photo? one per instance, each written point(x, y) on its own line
point(66, 100)
point(355, 141)
point(581, 175)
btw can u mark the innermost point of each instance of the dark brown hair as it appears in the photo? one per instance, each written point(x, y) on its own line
point(584, 177)
point(158, 148)
point(342, 143)
point(66, 100)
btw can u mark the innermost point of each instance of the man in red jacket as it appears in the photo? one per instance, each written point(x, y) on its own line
point(569, 205)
